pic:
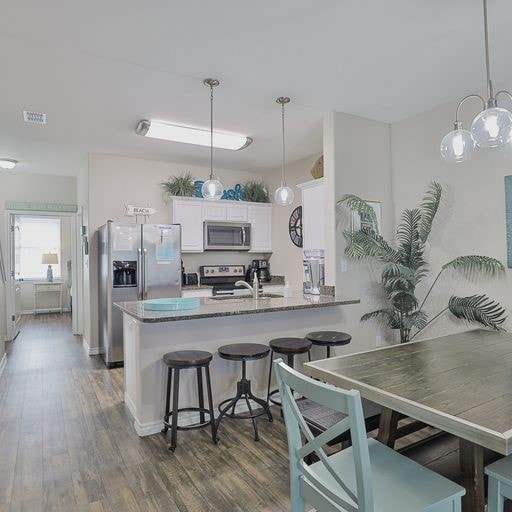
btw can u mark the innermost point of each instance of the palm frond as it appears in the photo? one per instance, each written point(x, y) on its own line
point(408, 236)
point(428, 209)
point(367, 244)
point(389, 316)
point(471, 266)
point(418, 320)
point(361, 206)
point(478, 309)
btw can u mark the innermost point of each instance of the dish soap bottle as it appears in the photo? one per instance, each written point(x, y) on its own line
point(255, 287)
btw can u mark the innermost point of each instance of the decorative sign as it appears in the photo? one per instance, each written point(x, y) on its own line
point(133, 211)
point(232, 194)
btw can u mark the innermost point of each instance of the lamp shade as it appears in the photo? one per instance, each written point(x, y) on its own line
point(50, 258)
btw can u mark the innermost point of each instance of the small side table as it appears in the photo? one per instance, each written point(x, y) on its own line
point(47, 287)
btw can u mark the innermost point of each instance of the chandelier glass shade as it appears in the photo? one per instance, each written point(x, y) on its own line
point(283, 196)
point(492, 126)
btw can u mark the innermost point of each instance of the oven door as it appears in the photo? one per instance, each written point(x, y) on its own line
point(227, 236)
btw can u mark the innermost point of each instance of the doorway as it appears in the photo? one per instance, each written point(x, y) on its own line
point(42, 267)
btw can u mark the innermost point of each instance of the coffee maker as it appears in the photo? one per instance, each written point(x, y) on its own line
point(261, 268)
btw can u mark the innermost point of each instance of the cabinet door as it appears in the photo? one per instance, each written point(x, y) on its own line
point(260, 218)
point(214, 211)
point(190, 215)
point(313, 217)
point(236, 212)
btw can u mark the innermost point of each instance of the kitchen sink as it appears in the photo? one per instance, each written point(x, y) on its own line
point(246, 297)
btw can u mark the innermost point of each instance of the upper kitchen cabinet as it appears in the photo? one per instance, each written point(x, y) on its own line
point(313, 222)
point(192, 212)
point(260, 217)
point(189, 213)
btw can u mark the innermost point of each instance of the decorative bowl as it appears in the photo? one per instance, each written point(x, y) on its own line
point(171, 304)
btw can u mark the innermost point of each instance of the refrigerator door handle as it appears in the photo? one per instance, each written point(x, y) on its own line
point(139, 274)
point(145, 285)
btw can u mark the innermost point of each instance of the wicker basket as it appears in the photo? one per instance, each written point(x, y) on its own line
point(318, 169)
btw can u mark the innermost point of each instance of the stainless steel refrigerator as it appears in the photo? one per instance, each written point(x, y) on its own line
point(136, 262)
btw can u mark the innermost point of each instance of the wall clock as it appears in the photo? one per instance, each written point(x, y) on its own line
point(295, 226)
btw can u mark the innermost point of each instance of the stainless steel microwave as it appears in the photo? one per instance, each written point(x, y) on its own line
point(227, 236)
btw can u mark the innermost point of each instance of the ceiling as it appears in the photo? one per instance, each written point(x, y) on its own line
point(97, 67)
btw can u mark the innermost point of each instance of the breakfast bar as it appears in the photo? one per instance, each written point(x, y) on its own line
point(148, 335)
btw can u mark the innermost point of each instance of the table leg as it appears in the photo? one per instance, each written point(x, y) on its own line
point(388, 427)
point(472, 468)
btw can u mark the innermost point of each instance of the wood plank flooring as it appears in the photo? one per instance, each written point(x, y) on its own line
point(67, 442)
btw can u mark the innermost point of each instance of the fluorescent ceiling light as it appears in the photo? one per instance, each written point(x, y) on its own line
point(191, 135)
point(7, 163)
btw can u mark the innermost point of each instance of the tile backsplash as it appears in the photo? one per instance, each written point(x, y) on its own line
point(192, 261)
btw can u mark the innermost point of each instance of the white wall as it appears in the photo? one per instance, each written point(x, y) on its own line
point(286, 259)
point(29, 188)
point(357, 160)
point(472, 217)
point(114, 181)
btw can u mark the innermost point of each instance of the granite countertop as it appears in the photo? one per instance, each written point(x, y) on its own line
point(209, 307)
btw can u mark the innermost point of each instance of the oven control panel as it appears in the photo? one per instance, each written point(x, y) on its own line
point(222, 271)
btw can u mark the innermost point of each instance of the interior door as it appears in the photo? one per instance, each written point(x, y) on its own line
point(14, 285)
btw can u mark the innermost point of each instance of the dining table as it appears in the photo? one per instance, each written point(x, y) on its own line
point(460, 384)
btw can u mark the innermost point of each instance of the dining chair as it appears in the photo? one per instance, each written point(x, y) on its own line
point(499, 484)
point(368, 476)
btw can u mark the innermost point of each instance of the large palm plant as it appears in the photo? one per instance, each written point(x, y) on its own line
point(404, 266)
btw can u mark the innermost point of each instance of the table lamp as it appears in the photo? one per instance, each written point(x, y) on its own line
point(50, 258)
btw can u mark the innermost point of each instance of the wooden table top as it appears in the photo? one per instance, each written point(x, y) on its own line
point(460, 383)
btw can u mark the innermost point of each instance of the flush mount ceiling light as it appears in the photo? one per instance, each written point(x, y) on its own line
point(192, 135)
point(8, 163)
point(491, 128)
point(283, 196)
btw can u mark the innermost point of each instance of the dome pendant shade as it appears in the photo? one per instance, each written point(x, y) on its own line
point(212, 190)
point(492, 127)
point(457, 146)
point(283, 196)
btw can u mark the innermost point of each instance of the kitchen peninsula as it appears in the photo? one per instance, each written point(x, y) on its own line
point(148, 335)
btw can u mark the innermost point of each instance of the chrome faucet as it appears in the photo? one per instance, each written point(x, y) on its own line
point(254, 289)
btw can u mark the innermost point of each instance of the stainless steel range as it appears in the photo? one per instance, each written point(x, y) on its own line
point(223, 278)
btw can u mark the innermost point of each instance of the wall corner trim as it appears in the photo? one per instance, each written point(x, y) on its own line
point(90, 351)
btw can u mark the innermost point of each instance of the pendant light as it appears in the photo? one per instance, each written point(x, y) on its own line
point(283, 196)
point(491, 128)
point(212, 188)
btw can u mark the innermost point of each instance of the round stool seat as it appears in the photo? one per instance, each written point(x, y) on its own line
point(290, 345)
point(187, 358)
point(243, 351)
point(329, 338)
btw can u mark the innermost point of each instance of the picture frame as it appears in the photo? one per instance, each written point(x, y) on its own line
point(360, 221)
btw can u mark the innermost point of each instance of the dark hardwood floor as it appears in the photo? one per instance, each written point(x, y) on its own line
point(67, 442)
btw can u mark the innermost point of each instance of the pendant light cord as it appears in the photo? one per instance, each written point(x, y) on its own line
point(211, 132)
point(283, 181)
point(487, 59)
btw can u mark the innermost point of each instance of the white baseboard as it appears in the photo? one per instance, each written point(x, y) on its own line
point(3, 363)
point(155, 427)
point(90, 351)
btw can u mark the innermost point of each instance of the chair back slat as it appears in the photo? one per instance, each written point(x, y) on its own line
point(345, 401)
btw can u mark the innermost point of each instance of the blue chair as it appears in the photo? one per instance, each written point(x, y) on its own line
point(500, 484)
point(366, 477)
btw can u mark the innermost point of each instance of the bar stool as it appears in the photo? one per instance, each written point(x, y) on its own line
point(184, 360)
point(244, 352)
point(329, 339)
point(289, 347)
point(499, 484)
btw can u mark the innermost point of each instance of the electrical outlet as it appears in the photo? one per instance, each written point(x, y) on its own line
point(344, 265)
point(379, 342)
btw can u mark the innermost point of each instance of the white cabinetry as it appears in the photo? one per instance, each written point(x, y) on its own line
point(313, 213)
point(260, 218)
point(197, 292)
point(189, 214)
